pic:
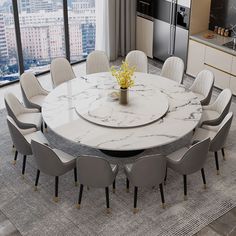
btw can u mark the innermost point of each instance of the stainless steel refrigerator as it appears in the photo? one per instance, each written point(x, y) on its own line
point(171, 28)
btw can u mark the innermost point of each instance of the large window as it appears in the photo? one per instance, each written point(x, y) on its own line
point(82, 28)
point(8, 52)
point(42, 33)
point(33, 32)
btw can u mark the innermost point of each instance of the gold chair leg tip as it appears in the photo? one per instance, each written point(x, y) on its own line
point(76, 184)
point(108, 210)
point(14, 162)
point(55, 199)
point(78, 206)
point(218, 172)
point(185, 197)
point(205, 186)
point(127, 190)
point(114, 190)
point(35, 188)
point(135, 210)
point(163, 205)
point(23, 176)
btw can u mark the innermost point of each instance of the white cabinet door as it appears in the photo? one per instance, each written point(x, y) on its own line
point(218, 59)
point(144, 36)
point(234, 67)
point(196, 57)
point(222, 80)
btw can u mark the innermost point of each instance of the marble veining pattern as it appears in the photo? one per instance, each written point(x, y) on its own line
point(60, 113)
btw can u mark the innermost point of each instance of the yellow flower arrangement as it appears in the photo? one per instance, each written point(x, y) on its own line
point(124, 75)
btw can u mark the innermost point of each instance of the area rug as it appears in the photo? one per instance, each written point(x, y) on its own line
point(34, 213)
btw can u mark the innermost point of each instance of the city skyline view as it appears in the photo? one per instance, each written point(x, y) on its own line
point(42, 35)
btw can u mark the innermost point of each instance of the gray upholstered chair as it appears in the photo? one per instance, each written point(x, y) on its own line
point(187, 161)
point(97, 61)
point(24, 117)
point(139, 60)
point(32, 91)
point(214, 113)
point(147, 171)
point(61, 71)
point(53, 162)
point(98, 173)
point(217, 134)
point(203, 86)
point(173, 69)
point(22, 138)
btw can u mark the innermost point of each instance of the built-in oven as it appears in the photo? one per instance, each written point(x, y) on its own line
point(145, 8)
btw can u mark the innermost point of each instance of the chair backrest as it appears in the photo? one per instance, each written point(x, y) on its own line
point(219, 140)
point(203, 84)
point(97, 61)
point(94, 171)
point(61, 71)
point(173, 69)
point(194, 159)
point(46, 159)
point(30, 87)
point(13, 105)
point(139, 60)
point(18, 139)
point(223, 102)
point(148, 171)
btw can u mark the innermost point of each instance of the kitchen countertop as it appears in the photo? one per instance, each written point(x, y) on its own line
point(216, 42)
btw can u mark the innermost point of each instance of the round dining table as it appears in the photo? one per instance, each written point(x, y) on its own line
point(86, 110)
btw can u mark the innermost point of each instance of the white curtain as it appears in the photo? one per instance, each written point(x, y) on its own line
point(115, 28)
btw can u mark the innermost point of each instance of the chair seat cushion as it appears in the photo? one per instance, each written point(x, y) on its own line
point(65, 157)
point(200, 96)
point(209, 115)
point(37, 136)
point(34, 119)
point(38, 100)
point(202, 133)
point(177, 155)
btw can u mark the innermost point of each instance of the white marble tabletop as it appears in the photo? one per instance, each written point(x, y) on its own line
point(61, 113)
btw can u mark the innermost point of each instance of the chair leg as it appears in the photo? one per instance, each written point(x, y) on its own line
point(127, 185)
point(15, 157)
point(162, 196)
point(217, 163)
point(42, 127)
point(46, 127)
point(23, 166)
point(135, 199)
point(165, 177)
point(37, 180)
point(56, 189)
point(114, 186)
point(203, 177)
point(80, 195)
point(223, 153)
point(107, 199)
point(75, 176)
point(185, 187)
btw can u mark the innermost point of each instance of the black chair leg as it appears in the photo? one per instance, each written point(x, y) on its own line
point(56, 189)
point(80, 195)
point(217, 163)
point(23, 166)
point(223, 153)
point(135, 199)
point(185, 187)
point(37, 180)
point(114, 186)
point(42, 127)
point(75, 176)
point(127, 185)
point(107, 199)
point(203, 177)
point(15, 157)
point(162, 196)
point(165, 177)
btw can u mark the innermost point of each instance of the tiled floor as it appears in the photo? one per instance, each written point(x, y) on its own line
point(225, 225)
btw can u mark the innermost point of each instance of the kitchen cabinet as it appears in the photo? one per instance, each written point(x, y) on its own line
point(144, 35)
point(222, 64)
point(196, 57)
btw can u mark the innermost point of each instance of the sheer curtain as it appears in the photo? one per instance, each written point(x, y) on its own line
point(115, 26)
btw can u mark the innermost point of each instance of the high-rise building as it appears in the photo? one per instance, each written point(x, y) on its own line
point(31, 6)
point(3, 43)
